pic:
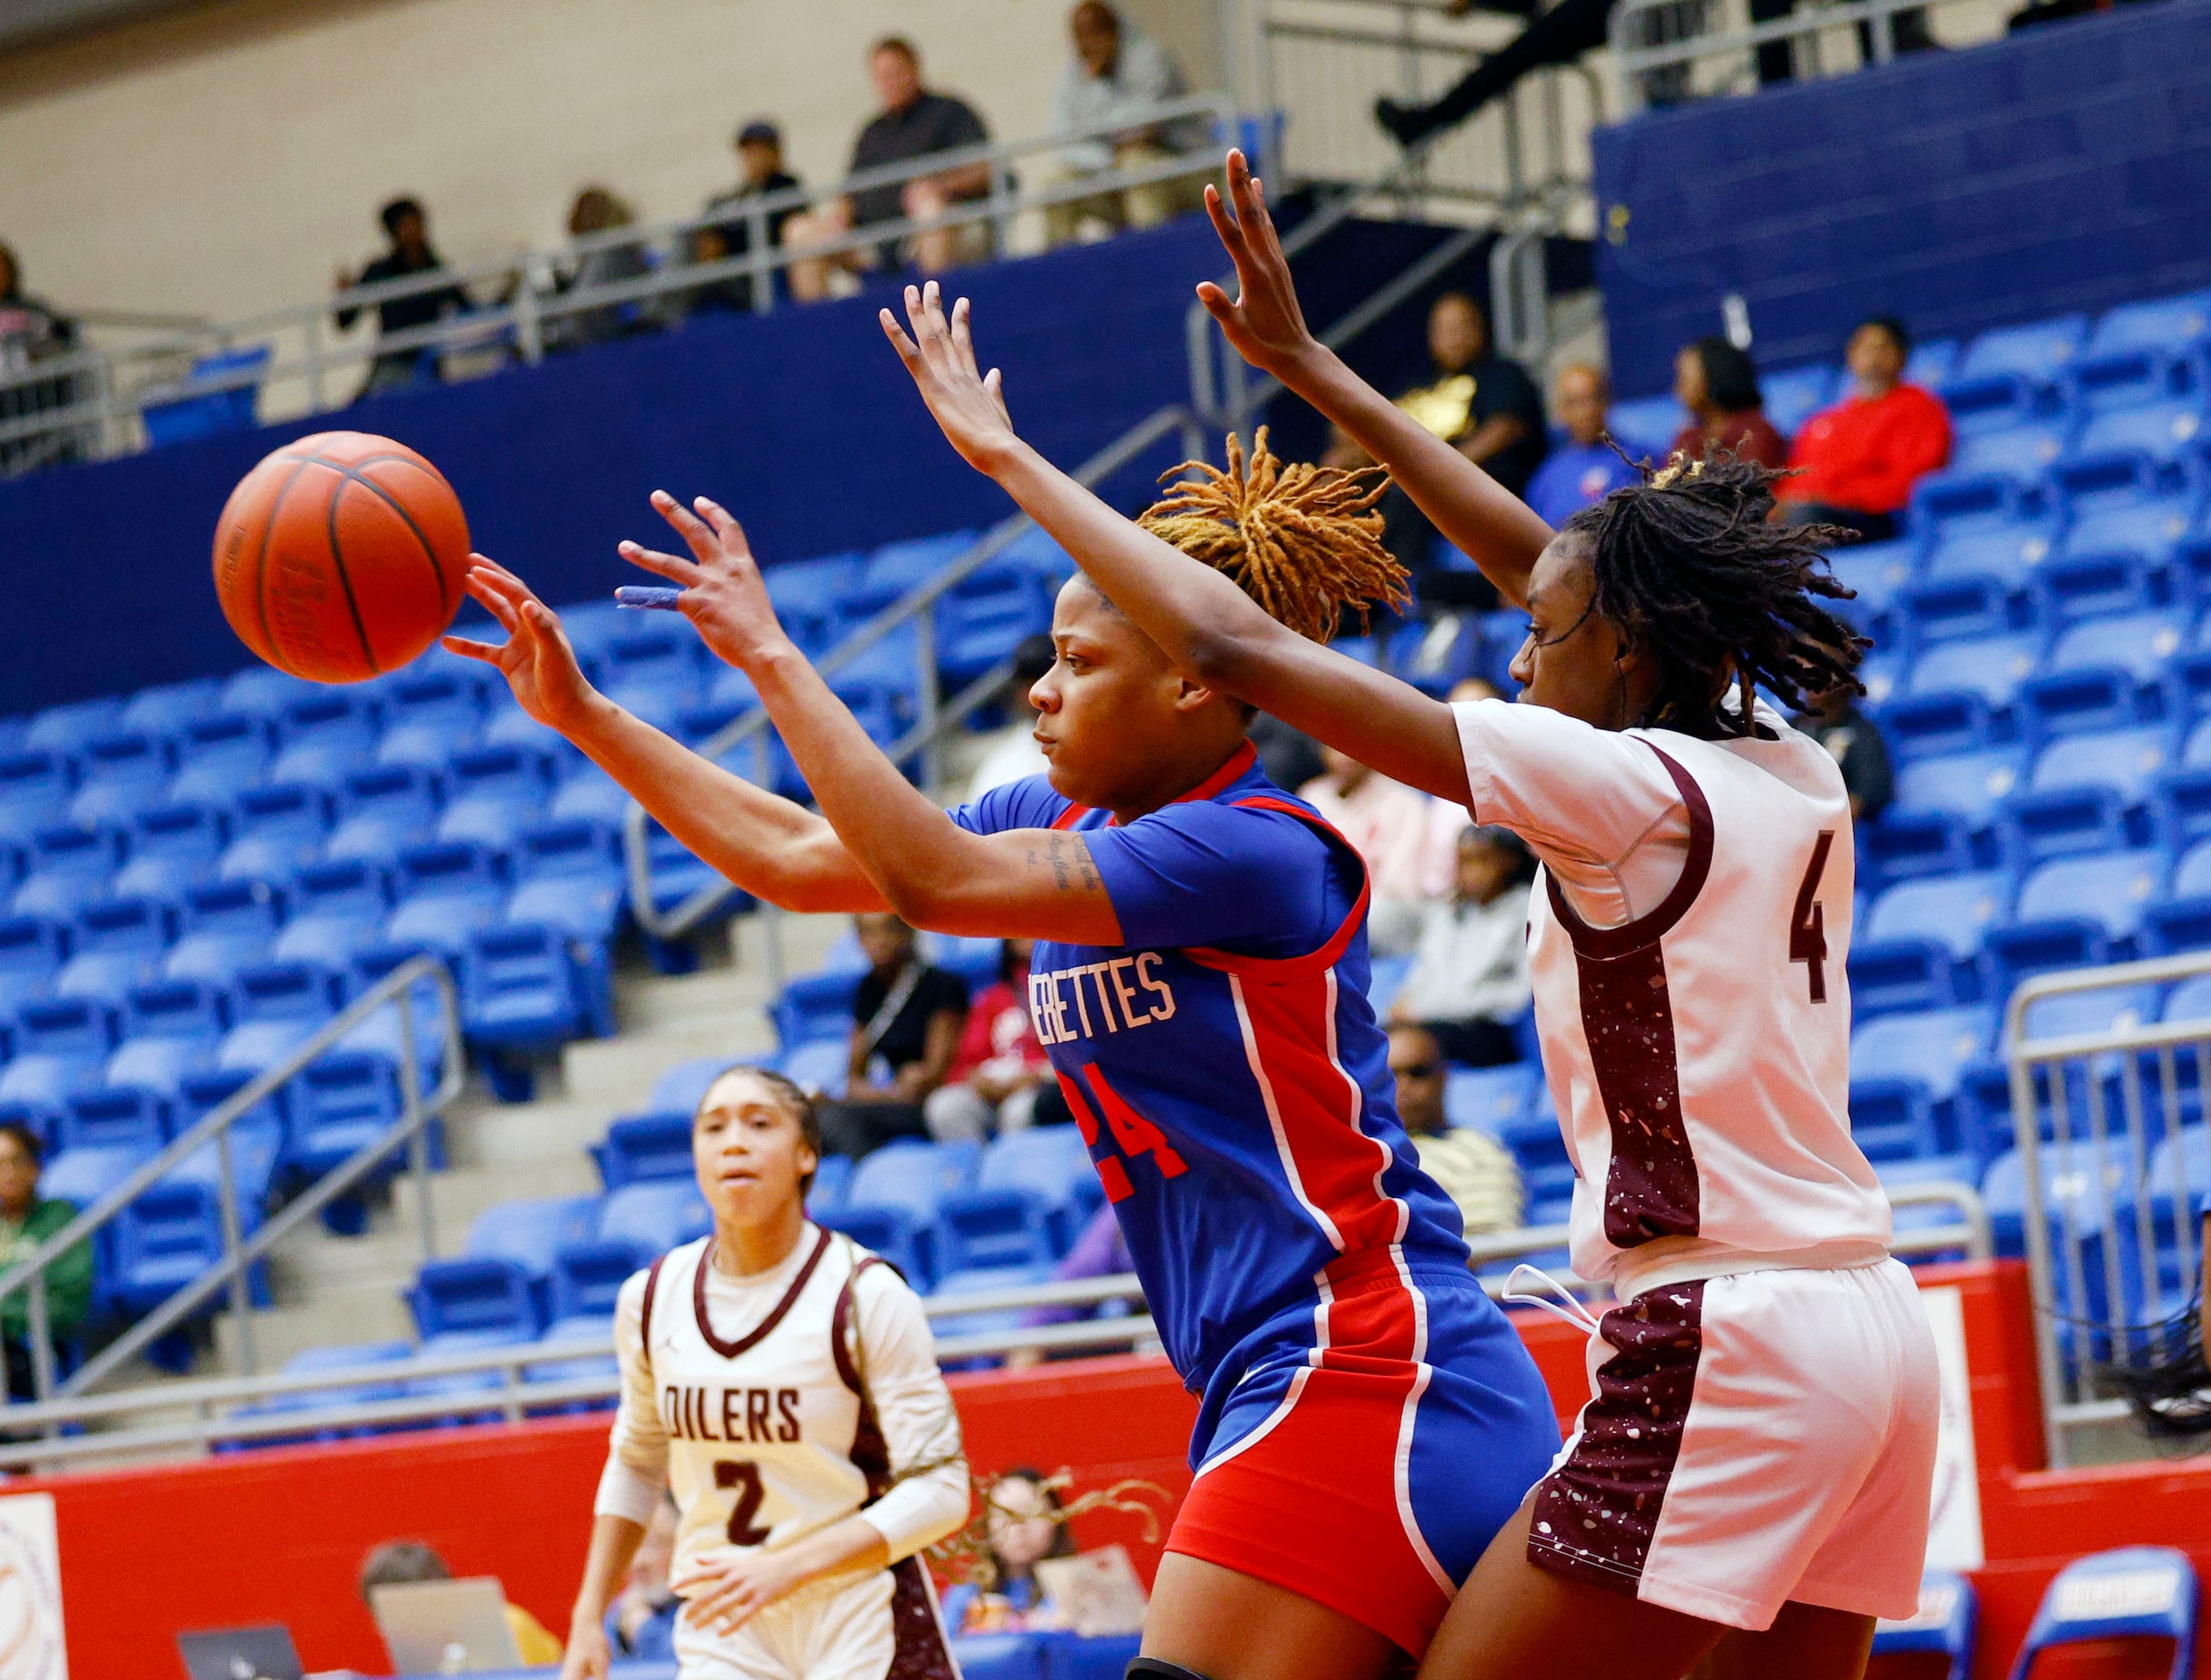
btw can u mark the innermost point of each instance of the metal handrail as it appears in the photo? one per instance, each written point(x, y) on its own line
point(241, 1251)
point(524, 315)
point(1635, 62)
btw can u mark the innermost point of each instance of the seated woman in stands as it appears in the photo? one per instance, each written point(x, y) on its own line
point(1718, 384)
point(1856, 463)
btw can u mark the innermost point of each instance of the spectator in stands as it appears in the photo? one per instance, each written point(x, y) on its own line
point(1718, 384)
point(907, 1021)
point(1856, 462)
point(1586, 468)
point(642, 1621)
point(407, 226)
point(1009, 752)
point(1409, 841)
point(397, 1562)
point(31, 332)
point(27, 1220)
point(1115, 71)
point(597, 211)
point(1000, 1074)
point(1469, 980)
point(1485, 404)
point(1474, 1169)
point(914, 124)
point(761, 173)
point(1021, 1516)
point(1837, 724)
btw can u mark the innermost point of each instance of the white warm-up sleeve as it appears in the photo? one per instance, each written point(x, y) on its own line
point(635, 1477)
point(1597, 806)
point(898, 1360)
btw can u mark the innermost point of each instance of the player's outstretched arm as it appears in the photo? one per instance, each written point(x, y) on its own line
point(1205, 623)
point(771, 847)
point(1023, 883)
point(615, 1540)
point(1501, 533)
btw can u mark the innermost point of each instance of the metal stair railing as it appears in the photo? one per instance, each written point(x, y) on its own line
point(1227, 399)
point(1658, 46)
point(241, 1251)
point(522, 318)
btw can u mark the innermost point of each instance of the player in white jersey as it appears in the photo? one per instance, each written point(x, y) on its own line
point(783, 1381)
point(1749, 1485)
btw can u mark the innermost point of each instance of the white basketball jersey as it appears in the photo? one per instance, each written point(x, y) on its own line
point(1698, 1053)
point(767, 1438)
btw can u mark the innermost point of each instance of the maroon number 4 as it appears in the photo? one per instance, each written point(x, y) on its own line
point(1807, 932)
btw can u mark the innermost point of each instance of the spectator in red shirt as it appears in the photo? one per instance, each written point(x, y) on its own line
point(1719, 385)
point(1856, 462)
point(998, 1081)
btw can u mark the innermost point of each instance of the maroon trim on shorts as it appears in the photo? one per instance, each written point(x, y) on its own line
point(1627, 1015)
point(918, 1648)
point(1595, 1514)
point(753, 1338)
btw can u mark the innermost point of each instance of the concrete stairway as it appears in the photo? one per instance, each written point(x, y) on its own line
point(332, 1289)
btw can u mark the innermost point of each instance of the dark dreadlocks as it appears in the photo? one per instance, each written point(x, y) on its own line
point(1688, 568)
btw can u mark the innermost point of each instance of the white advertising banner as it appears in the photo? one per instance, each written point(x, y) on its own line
point(1954, 1532)
point(31, 1645)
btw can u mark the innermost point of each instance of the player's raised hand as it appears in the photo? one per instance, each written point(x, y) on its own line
point(968, 403)
point(537, 661)
point(723, 596)
point(1263, 320)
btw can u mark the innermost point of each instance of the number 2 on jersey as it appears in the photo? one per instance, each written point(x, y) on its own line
point(1808, 930)
point(744, 1475)
point(1136, 1135)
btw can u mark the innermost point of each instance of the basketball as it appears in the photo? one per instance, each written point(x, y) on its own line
point(340, 557)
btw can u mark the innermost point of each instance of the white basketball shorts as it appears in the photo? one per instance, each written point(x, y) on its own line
point(1751, 1439)
point(879, 1626)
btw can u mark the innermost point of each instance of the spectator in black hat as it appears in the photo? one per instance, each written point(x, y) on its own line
point(759, 160)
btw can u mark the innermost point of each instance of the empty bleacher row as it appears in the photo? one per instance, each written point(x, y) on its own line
point(197, 877)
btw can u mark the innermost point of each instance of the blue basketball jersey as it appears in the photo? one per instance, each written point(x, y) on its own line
point(1226, 1068)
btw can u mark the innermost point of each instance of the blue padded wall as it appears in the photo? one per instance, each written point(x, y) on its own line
point(2065, 168)
point(803, 423)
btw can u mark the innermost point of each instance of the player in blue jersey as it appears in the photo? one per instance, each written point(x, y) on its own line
point(1368, 1417)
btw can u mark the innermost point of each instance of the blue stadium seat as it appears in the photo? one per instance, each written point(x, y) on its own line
point(380, 1033)
point(62, 1046)
point(82, 1176)
point(119, 777)
point(806, 594)
point(2022, 453)
point(222, 927)
point(168, 1236)
point(69, 867)
point(445, 892)
point(896, 568)
point(172, 847)
point(274, 1007)
point(262, 692)
point(2138, 642)
point(322, 738)
point(524, 988)
point(67, 729)
point(170, 1032)
point(1992, 667)
point(474, 1292)
point(980, 624)
point(995, 1228)
point(1490, 1099)
point(2174, 324)
point(110, 1120)
point(358, 1358)
point(273, 828)
point(893, 1232)
point(2125, 760)
point(2038, 349)
point(654, 1217)
point(340, 1104)
point(975, 1280)
point(681, 1089)
point(35, 790)
point(1999, 403)
point(569, 874)
point(819, 1065)
point(832, 1178)
point(531, 1232)
point(585, 1277)
point(32, 950)
point(1969, 605)
point(428, 717)
point(1051, 1163)
point(1647, 426)
point(1874, 572)
point(1794, 394)
point(1943, 1626)
point(2081, 700)
point(168, 707)
point(1920, 726)
point(2071, 914)
point(1922, 937)
point(1931, 1047)
point(2161, 433)
point(118, 944)
point(1969, 785)
point(588, 792)
point(218, 758)
point(642, 1147)
point(2180, 810)
point(912, 1176)
point(337, 909)
point(815, 1006)
point(2134, 1592)
point(382, 809)
point(493, 793)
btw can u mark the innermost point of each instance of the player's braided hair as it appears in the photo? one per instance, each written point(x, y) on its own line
point(1688, 568)
point(1302, 541)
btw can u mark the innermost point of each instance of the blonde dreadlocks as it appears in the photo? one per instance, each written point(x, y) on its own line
point(1302, 541)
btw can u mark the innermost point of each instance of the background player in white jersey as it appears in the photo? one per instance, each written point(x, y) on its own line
point(784, 1381)
point(1749, 1485)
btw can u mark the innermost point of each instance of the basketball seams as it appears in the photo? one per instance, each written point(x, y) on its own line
point(260, 555)
point(346, 581)
point(352, 472)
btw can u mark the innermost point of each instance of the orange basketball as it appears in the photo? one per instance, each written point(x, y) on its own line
point(340, 557)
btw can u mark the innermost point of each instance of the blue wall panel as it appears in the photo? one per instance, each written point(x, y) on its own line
point(803, 423)
point(2067, 168)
